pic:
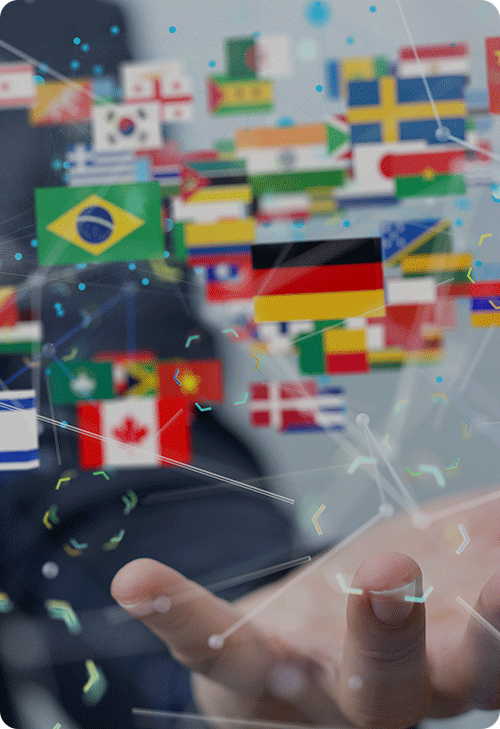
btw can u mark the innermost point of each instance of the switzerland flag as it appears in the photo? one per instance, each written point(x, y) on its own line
point(134, 432)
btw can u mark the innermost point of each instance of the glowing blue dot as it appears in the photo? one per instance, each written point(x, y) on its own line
point(66, 165)
point(439, 379)
point(75, 64)
point(298, 223)
point(85, 47)
point(56, 164)
point(256, 34)
point(317, 13)
point(82, 286)
point(64, 423)
point(319, 87)
point(166, 254)
point(131, 266)
point(442, 134)
point(453, 45)
point(373, 9)
point(459, 221)
point(115, 29)
point(350, 40)
point(211, 64)
point(79, 266)
point(170, 224)
point(34, 243)
point(77, 41)
point(347, 223)
point(39, 79)
point(18, 256)
point(98, 69)
point(198, 270)
point(172, 29)
point(285, 121)
point(145, 281)
point(495, 192)
point(478, 263)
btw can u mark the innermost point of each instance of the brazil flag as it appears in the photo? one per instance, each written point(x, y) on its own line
point(102, 223)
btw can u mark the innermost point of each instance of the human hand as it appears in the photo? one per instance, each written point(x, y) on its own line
point(304, 658)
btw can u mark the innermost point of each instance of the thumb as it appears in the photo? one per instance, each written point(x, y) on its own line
point(383, 681)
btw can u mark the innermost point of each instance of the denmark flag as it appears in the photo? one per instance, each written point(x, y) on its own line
point(134, 432)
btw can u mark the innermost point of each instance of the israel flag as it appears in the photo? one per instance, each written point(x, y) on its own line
point(18, 431)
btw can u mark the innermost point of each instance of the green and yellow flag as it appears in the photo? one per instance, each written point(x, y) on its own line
point(102, 223)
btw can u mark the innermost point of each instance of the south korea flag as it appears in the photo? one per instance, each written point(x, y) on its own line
point(126, 126)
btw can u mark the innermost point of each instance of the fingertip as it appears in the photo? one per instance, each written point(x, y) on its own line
point(386, 571)
point(137, 580)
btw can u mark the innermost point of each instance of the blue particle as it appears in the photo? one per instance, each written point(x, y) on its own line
point(56, 164)
point(350, 40)
point(285, 121)
point(256, 34)
point(463, 204)
point(211, 64)
point(319, 87)
point(439, 379)
point(478, 263)
point(170, 224)
point(18, 256)
point(66, 165)
point(172, 29)
point(80, 266)
point(298, 223)
point(459, 221)
point(85, 47)
point(347, 223)
point(39, 79)
point(115, 29)
point(75, 64)
point(198, 270)
point(64, 423)
point(131, 266)
point(77, 41)
point(317, 14)
point(145, 281)
point(166, 254)
point(98, 69)
point(452, 45)
point(34, 243)
point(373, 9)
point(57, 305)
point(82, 286)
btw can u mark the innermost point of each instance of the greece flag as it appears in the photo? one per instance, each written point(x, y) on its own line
point(18, 431)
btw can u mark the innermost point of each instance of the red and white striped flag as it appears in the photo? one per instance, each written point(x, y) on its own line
point(133, 432)
point(441, 59)
point(17, 86)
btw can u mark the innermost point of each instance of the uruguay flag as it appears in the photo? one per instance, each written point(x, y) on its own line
point(18, 431)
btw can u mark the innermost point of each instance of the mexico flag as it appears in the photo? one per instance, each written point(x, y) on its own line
point(134, 432)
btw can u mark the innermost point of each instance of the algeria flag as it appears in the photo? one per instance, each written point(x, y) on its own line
point(134, 432)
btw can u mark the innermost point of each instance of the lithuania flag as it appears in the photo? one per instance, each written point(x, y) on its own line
point(104, 223)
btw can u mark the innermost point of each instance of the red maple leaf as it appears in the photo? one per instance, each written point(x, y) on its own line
point(129, 431)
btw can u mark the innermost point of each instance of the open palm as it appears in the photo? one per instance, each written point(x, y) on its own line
point(310, 654)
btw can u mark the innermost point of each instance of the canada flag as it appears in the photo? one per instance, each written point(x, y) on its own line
point(134, 432)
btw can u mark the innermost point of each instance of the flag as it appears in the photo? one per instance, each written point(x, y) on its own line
point(241, 96)
point(296, 206)
point(300, 406)
point(201, 380)
point(441, 59)
point(273, 57)
point(126, 126)
point(22, 338)
point(161, 81)
point(217, 180)
point(108, 223)
point(415, 290)
point(316, 279)
point(223, 233)
point(17, 87)
point(367, 68)
point(403, 238)
point(9, 313)
point(293, 159)
point(392, 110)
point(485, 312)
point(18, 431)
point(86, 167)
point(133, 373)
point(230, 279)
point(240, 58)
point(368, 184)
point(133, 432)
point(78, 380)
point(442, 266)
point(167, 162)
point(493, 72)
point(57, 102)
point(277, 338)
point(333, 350)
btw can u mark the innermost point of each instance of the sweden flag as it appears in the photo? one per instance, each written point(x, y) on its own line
point(108, 223)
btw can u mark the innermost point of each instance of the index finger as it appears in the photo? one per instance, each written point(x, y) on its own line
point(189, 620)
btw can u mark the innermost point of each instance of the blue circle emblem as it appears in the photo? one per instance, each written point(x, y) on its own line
point(95, 225)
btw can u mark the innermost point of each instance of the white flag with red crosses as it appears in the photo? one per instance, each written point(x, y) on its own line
point(162, 81)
